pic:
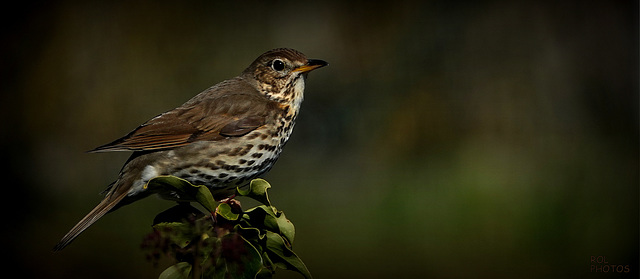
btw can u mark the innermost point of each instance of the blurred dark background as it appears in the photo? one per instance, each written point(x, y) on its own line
point(494, 139)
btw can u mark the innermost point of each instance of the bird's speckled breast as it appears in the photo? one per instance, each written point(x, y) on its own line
point(227, 164)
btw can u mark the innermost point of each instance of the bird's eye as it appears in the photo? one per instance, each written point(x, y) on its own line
point(277, 65)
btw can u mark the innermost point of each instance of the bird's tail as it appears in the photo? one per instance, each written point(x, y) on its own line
point(107, 204)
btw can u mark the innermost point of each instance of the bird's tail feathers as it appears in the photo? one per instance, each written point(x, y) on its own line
point(106, 205)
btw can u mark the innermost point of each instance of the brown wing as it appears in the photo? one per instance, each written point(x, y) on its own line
point(206, 117)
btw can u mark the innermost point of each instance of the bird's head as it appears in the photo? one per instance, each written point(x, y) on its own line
point(280, 74)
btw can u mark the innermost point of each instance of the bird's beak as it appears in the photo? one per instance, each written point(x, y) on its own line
point(311, 65)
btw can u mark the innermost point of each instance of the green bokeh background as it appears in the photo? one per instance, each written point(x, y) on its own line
point(494, 139)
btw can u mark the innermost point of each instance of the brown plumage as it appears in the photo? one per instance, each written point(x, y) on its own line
point(221, 138)
point(211, 115)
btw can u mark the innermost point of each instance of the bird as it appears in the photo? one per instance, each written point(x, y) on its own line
point(222, 138)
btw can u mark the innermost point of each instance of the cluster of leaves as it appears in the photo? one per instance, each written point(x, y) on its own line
point(228, 243)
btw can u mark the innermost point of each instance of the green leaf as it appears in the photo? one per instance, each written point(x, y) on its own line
point(205, 198)
point(251, 234)
point(180, 270)
point(178, 213)
point(185, 189)
point(225, 211)
point(276, 245)
point(257, 191)
point(169, 182)
point(286, 228)
point(264, 217)
point(261, 217)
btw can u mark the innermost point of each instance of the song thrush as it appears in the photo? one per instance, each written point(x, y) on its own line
point(222, 138)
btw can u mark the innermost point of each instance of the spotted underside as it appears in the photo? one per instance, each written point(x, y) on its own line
point(230, 167)
point(219, 165)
